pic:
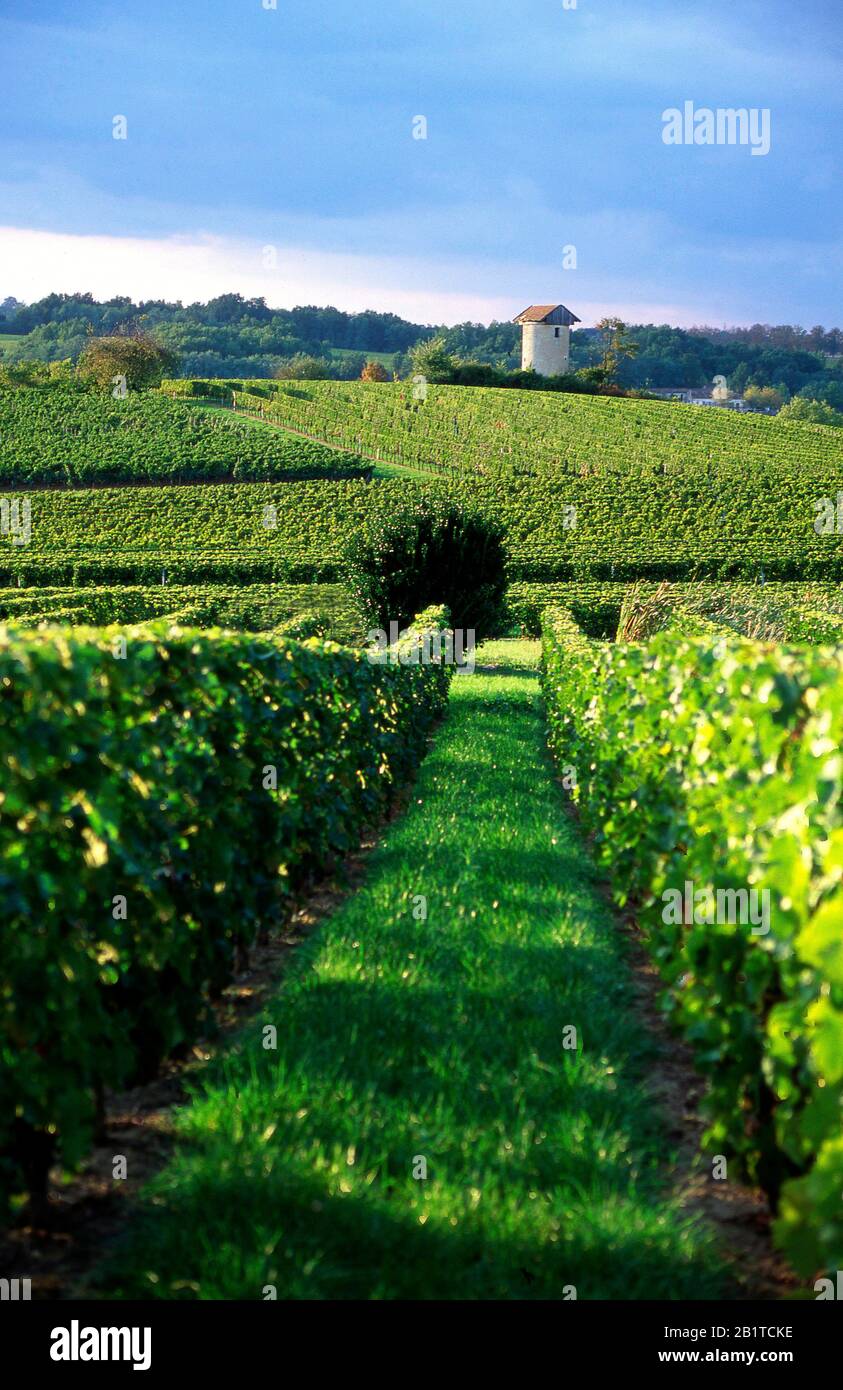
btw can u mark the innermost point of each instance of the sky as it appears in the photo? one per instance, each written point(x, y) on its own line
point(271, 148)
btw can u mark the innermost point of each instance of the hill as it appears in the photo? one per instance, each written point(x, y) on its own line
point(591, 492)
point(508, 433)
point(63, 436)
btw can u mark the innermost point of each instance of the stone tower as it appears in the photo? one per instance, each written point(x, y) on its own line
point(546, 338)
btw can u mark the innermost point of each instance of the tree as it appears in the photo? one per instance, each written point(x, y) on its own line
point(10, 307)
point(811, 413)
point(373, 371)
point(431, 361)
point(591, 376)
point(302, 367)
point(428, 552)
point(764, 397)
point(616, 344)
point(828, 389)
point(137, 357)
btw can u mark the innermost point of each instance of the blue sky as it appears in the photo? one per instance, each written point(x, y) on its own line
point(272, 152)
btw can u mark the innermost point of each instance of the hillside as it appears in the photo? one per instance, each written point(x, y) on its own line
point(508, 433)
point(591, 492)
point(654, 528)
point(63, 436)
point(601, 500)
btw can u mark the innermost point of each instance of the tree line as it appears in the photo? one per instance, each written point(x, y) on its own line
point(232, 336)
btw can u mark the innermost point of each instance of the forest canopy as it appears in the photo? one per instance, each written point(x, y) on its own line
point(232, 336)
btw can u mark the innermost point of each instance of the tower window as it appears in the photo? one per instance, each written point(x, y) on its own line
point(557, 333)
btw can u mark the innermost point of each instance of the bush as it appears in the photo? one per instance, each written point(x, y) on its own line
point(470, 373)
point(41, 374)
point(429, 551)
point(142, 361)
point(303, 626)
point(374, 371)
point(763, 397)
point(303, 367)
point(811, 413)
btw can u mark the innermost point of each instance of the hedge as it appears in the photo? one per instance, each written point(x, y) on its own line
point(145, 840)
point(254, 607)
point(717, 762)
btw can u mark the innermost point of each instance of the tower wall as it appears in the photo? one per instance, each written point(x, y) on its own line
point(543, 351)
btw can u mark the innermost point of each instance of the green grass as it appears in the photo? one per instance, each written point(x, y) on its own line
point(401, 470)
point(379, 470)
point(386, 359)
point(441, 1039)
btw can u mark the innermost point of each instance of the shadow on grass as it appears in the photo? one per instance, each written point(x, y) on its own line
point(441, 1039)
point(230, 1234)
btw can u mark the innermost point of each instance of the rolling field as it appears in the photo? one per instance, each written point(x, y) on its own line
point(507, 433)
point(66, 437)
point(700, 518)
point(583, 529)
point(9, 340)
point(183, 733)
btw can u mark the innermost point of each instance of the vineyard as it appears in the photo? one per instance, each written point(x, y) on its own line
point(65, 437)
point(587, 528)
point(711, 759)
point(256, 607)
point(160, 761)
point(507, 434)
point(195, 742)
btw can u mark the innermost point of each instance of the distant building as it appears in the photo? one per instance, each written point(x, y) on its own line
point(742, 406)
point(546, 338)
point(690, 395)
point(673, 393)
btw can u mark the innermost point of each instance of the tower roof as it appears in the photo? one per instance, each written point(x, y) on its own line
point(547, 313)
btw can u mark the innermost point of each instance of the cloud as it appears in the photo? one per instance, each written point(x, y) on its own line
point(200, 266)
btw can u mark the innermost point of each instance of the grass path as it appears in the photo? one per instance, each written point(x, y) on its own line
point(440, 1039)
